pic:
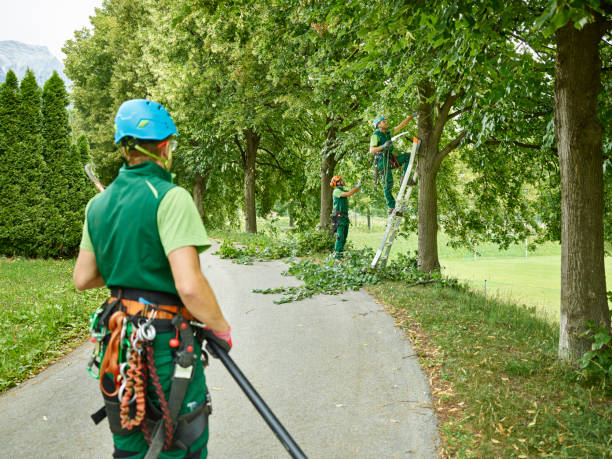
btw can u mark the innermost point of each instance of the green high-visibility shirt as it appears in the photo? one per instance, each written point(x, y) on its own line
point(341, 204)
point(136, 222)
point(379, 138)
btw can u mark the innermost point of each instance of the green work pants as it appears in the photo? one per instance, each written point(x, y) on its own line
point(195, 395)
point(341, 235)
point(385, 164)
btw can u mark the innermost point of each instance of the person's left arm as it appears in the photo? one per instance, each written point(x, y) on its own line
point(403, 124)
point(183, 237)
point(346, 194)
point(349, 193)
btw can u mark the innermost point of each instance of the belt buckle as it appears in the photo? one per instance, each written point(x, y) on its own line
point(146, 310)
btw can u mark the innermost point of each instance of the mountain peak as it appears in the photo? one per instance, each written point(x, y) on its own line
point(19, 57)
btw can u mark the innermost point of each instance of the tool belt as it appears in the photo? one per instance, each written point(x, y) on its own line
point(126, 325)
point(162, 305)
point(123, 306)
point(335, 218)
point(385, 155)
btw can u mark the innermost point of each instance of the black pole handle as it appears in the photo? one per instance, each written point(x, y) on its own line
point(290, 445)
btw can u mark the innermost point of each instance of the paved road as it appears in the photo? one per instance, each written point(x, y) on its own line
point(336, 372)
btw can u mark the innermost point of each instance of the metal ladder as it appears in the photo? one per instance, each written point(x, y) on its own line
point(382, 255)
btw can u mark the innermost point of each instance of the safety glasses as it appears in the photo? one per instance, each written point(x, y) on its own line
point(171, 141)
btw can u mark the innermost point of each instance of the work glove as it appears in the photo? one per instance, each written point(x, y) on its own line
point(359, 184)
point(223, 339)
point(387, 144)
point(414, 114)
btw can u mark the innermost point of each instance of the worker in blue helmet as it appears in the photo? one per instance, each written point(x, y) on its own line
point(381, 146)
point(139, 122)
point(141, 238)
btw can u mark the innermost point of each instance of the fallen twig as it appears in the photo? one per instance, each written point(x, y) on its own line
point(423, 282)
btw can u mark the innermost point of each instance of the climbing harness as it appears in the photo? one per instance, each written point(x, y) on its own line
point(382, 255)
point(124, 330)
point(97, 335)
point(335, 218)
point(389, 159)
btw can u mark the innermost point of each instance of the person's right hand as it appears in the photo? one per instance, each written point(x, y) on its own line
point(387, 144)
point(223, 339)
point(359, 184)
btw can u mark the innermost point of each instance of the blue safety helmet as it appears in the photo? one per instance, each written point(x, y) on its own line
point(377, 120)
point(143, 119)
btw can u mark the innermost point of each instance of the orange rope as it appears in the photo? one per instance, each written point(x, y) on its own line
point(134, 385)
point(110, 362)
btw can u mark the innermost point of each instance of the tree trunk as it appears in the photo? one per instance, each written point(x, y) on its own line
point(328, 166)
point(199, 190)
point(579, 141)
point(428, 165)
point(428, 212)
point(251, 140)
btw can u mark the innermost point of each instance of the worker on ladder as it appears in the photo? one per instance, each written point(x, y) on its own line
point(381, 146)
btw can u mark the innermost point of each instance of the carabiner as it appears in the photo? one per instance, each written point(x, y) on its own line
point(147, 332)
point(94, 318)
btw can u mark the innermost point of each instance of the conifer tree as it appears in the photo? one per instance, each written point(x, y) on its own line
point(83, 146)
point(76, 198)
point(58, 153)
point(28, 209)
point(9, 129)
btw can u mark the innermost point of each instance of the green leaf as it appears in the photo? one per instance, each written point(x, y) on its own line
point(561, 18)
point(548, 13)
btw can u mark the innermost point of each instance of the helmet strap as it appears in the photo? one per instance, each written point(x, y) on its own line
point(165, 161)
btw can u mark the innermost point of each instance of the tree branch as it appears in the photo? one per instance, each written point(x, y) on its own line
point(278, 164)
point(452, 145)
point(341, 156)
point(514, 142)
point(351, 126)
point(443, 113)
point(459, 112)
point(275, 166)
point(242, 155)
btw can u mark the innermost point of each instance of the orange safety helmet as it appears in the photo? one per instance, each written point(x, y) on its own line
point(336, 181)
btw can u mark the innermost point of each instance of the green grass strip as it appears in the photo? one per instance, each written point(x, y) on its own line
point(498, 387)
point(42, 316)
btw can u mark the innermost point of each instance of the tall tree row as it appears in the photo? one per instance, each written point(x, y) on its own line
point(272, 98)
point(42, 190)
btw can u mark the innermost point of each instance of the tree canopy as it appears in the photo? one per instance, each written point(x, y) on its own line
point(272, 98)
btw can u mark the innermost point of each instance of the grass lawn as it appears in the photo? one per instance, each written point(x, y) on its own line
point(42, 316)
point(534, 280)
point(497, 386)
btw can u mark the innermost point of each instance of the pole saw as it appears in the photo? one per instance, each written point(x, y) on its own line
point(262, 408)
point(92, 176)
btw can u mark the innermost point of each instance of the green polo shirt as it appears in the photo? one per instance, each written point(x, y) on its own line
point(178, 221)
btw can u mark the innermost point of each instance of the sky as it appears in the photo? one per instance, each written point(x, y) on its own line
point(44, 22)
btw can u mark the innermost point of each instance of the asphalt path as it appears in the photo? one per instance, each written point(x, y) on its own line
point(336, 372)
